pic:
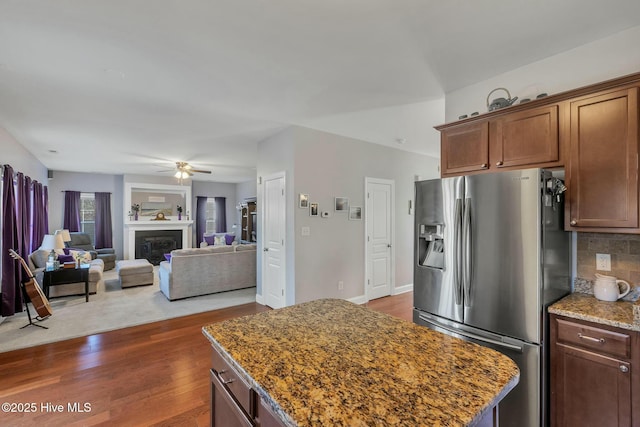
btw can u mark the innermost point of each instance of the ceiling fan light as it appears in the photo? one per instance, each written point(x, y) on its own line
point(178, 174)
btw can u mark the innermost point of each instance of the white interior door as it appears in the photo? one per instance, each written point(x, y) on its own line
point(379, 218)
point(273, 260)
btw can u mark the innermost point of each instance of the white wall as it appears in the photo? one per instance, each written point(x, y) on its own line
point(21, 160)
point(605, 59)
point(326, 166)
point(89, 183)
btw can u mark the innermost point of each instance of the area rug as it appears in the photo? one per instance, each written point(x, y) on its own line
point(111, 308)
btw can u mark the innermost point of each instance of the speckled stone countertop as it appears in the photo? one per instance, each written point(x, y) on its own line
point(621, 314)
point(333, 363)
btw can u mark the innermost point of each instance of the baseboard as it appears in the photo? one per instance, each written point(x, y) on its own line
point(361, 299)
point(259, 299)
point(402, 289)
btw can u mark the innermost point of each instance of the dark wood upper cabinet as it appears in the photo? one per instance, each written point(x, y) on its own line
point(465, 148)
point(529, 137)
point(602, 172)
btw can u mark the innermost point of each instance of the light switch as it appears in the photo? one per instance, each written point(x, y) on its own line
point(306, 231)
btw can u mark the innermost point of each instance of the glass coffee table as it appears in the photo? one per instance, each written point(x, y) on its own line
point(64, 276)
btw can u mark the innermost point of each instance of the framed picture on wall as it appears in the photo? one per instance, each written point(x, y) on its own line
point(342, 204)
point(355, 213)
point(314, 209)
point(303, 201)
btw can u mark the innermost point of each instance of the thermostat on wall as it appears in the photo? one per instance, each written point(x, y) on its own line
point(326, 214)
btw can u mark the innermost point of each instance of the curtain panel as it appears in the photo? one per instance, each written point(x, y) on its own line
point(11, 295)
point(23, 214)
point(221, 214)
point(104, 233)
point(40, 219)
point(71, 219)
point(201, 218)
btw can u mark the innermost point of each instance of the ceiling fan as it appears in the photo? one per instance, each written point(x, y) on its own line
point(184, 170)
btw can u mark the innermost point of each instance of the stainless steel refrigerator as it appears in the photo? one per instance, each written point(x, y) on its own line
point(490, 256)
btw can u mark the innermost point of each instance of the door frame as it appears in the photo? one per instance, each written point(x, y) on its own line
point(392, 219)
point(263, 266)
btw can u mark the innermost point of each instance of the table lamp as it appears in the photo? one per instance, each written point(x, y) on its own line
point(52, 242)
point(66, 237)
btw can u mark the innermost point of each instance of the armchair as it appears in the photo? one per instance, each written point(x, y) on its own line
point(83, 241)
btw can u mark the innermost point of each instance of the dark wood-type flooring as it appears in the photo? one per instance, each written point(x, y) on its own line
point(154, 374)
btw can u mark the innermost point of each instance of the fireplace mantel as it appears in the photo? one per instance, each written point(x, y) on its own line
point(132, 226)
point(145, 223)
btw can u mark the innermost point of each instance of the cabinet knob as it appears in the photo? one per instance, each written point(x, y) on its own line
point(484, 166)
point(624, 368)
point(500, 163)
point(573, 222)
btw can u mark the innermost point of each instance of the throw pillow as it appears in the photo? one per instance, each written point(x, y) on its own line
point(219, 240)
point(65, 258)
point(167, 257)
point(229, 238)
point(84, 256)
point(209, 239)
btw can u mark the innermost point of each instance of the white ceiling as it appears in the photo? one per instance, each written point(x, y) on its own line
point(125, 86)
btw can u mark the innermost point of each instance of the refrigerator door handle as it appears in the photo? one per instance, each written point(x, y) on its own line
point(466, 248)
point(457, 240)
point(471, 335)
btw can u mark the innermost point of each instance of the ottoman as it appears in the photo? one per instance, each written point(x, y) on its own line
point(134, 272)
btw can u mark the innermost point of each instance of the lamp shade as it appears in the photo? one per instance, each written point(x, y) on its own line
point(52, 241)
point(66, 237)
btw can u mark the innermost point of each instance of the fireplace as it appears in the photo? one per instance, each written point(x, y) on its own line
point(153, 244)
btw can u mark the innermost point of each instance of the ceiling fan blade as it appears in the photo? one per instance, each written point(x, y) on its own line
point(199, 171)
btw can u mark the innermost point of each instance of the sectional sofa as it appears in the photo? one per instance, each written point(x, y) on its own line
point(212, 269)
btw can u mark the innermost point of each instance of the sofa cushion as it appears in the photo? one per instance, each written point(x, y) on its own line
point(219, 240)
point(39, 258)
point(229, 238)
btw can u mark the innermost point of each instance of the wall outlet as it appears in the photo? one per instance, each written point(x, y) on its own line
point(340, 285)
point(603, 262)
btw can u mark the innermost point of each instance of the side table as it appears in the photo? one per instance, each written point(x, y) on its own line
point(63, 276)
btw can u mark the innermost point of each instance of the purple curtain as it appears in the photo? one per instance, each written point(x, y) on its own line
point(221, 214)
point(23, 199)
point(71, 211)
point(201, 218)
point(39, 216)
point(11, 296)
point(104, 233)
point(46, 210)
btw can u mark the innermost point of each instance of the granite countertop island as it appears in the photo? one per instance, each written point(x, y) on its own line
point(330, 362)
point(585, 306)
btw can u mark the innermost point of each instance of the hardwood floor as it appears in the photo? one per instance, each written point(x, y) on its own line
point(154, 374)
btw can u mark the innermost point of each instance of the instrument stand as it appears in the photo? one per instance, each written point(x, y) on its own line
point(27, 300)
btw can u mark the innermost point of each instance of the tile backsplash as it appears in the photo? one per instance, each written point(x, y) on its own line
point(623, 248)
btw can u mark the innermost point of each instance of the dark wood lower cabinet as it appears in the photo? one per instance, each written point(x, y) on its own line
point(233, 402)
point(592, 374)
point(225, 412)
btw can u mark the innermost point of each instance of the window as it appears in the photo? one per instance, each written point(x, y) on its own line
point(88, 214)
point(211, 215)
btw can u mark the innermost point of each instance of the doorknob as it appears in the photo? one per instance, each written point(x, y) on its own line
point(266, 249)
point(389, 245)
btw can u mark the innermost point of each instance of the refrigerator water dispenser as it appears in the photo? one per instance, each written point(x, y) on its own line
point(431, 246)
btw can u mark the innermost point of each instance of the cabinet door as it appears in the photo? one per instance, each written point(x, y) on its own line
point(590, 389)
point(525, 138)
point(266, 417)
point(225, 412)
point(603, 163)
point(465, 148)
